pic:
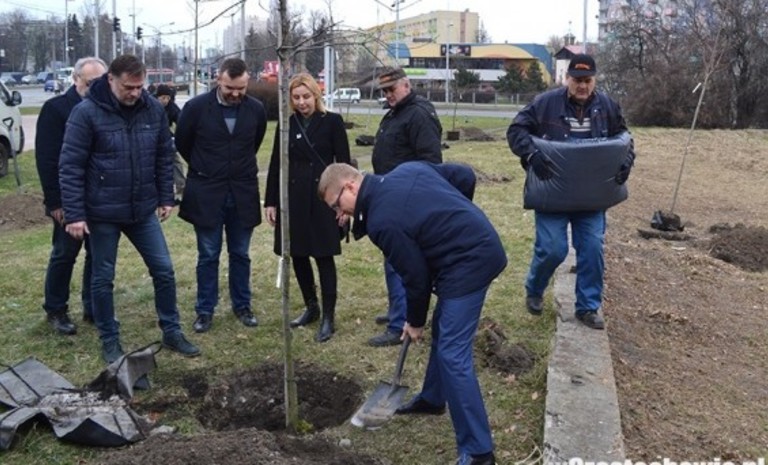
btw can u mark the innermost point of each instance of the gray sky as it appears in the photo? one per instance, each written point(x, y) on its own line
point(517, 21)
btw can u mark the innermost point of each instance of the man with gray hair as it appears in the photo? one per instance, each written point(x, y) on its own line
point(49, 137)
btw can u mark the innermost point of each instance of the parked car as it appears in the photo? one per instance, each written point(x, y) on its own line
point(44, 76)
point(8, 79)
point(53, 85)
point(29, 79)
point(11, 131)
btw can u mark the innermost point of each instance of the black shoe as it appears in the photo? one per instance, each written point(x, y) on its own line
point(178, 343)
point(387, 338)
point(326, 330)
point(310, 315)
point(88, 318)
point(111, 350)
point(419, 406)
point(142, 384)
point(203, 323)
point(534, 305)
point(62, 324)
point(246, 317)
point(382, 319)
point(591, 319)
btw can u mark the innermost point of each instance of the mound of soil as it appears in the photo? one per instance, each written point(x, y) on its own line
point(21, 211)
point(743, 246)
point(497, 354)
point(473, 134)
point(243, 418)
point(242, 447)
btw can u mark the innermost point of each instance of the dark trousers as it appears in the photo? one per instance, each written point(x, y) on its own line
point(58, 276)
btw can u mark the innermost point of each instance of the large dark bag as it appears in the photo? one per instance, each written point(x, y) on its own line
point(584, 175)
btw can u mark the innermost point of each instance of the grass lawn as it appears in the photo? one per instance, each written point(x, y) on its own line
point(515, 406)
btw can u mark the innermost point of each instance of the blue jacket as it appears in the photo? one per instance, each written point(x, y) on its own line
point(422, 217)
point(220, 162)
point(545, 117)
point(48, 140)
point(115, 166)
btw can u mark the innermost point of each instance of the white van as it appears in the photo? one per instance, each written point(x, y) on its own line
point(346, 95)
point(11, 132)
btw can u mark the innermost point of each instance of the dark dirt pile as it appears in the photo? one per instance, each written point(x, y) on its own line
point(740, 245)
point(21, 211)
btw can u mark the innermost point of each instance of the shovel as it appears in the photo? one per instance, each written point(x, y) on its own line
point(380, 406)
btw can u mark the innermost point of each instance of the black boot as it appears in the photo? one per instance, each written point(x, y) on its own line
point(310, 315)
point(326, 326)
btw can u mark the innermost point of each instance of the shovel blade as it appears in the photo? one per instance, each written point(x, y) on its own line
point(666, 221)
point(380, 406)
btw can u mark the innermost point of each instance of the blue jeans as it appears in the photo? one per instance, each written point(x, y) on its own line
point(551, 248)
point(147, 236)
point(398, 304)
point(209, 242)
point(450, 375)
point(58, 276)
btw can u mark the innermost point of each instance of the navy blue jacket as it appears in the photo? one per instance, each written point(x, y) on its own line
point(422, 217)
point(220, 162)
point(545, 117)
point(48, 140)
point(115, 167)
point(410, 131)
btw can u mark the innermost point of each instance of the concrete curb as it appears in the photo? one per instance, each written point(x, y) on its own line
point(582, 410)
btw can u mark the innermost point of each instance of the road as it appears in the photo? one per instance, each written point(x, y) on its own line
point(34, 96)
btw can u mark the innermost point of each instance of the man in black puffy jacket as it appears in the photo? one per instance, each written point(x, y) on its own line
point(410, 131)
point(115, 173)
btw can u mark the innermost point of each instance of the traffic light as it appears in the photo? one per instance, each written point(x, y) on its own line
point(139, 30)
point(116, 24)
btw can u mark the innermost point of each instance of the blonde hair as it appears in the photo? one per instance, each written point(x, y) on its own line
point(306, 80)
point(335, 175)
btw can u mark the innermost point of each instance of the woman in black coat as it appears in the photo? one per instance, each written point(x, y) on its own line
point(317, 138)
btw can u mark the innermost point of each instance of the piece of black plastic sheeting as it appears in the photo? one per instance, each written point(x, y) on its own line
point(97, 415)
point(584, 175)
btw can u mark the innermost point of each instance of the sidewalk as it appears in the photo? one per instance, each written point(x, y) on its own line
point(582, 409)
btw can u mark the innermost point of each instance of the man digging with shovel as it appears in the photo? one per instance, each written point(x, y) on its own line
point(442, 244)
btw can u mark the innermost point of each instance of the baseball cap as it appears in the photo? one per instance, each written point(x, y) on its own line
point(390, 77)
point(582, 65)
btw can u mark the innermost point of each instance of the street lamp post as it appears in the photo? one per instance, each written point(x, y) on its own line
point(159, 31)
point(397, 31)
point(448, 63)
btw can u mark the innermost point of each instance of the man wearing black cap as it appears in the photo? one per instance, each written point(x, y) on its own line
point(410, 131)
point(575, 111)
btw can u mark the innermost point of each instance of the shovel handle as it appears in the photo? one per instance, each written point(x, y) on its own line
point(401, 361)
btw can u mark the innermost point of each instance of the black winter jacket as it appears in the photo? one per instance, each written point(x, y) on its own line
point(410, 131)
point(115, 167)
point(49, 138)
point(314, 230)
point(218, 161)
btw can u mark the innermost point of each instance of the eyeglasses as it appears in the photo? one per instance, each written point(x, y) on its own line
point(335, 205)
